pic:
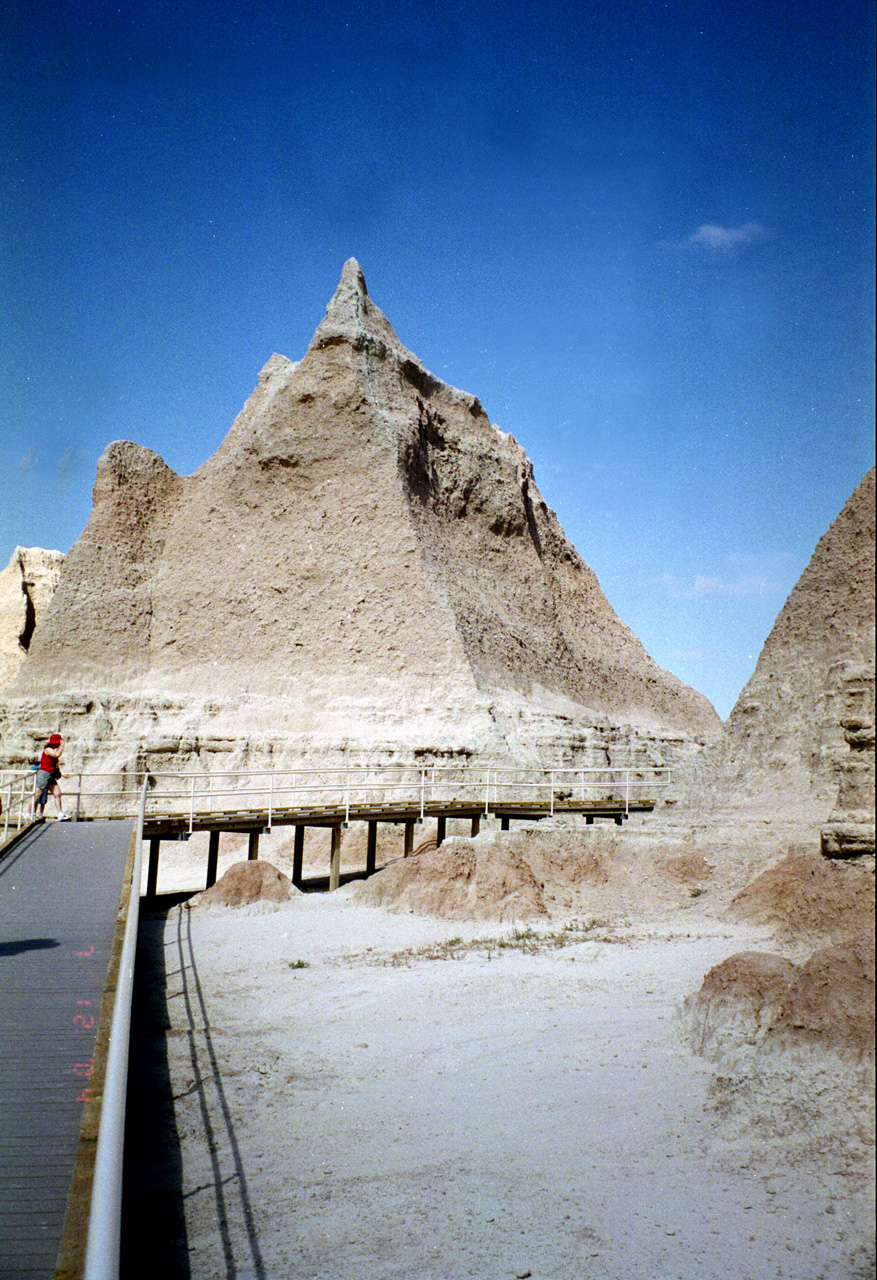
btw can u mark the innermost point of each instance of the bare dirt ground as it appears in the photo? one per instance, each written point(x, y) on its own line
point(366, 1094)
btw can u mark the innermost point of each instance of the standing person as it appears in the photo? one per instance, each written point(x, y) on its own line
point(46, 781)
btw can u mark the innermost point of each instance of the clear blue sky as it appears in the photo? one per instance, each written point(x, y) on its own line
point(641, 233)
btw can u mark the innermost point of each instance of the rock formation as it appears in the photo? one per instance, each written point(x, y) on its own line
point(801, 735)
point(27, 584)
point(364, 569)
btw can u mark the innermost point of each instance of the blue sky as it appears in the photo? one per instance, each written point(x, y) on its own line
point(641, 233)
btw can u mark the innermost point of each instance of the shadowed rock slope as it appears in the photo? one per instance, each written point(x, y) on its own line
point(366, 567)
point(27, 584)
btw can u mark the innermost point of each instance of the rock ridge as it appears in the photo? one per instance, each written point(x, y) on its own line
point(365, 564)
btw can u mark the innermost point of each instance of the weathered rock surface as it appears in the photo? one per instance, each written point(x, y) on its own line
point(27, 584)
point(800, 739)
point(364, 569)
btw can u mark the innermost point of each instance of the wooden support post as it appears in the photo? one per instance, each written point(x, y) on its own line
point(298, 855)
point(618, 819)
point(212, 858)
point(440, 828)
point(476, 824)
point(335, 860)
point(253, 847)
point(371, 849)
point(408, 847)
point(589, 820)
point(152, 869)
point(504, 824)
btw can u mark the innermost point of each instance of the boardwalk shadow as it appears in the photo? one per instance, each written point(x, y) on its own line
point(154, 1240)
point(27, 944)
point(234, 1211)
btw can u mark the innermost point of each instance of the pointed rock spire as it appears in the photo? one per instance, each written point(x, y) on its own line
point(365, 565)
point(352, 317)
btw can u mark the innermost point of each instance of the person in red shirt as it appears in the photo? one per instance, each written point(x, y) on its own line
point(48, 773)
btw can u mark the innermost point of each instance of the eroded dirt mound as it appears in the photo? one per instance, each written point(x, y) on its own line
point(247, 883)
point(830, 1001)
point(806, 894)
point(738, 1001)
point(463, 880)
point(525, 873)
point(688, 868)
point(760, 999)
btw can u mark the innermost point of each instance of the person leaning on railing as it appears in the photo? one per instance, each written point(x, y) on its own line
point(48, 773)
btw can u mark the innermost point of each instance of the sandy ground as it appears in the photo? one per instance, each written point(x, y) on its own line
point(360, 1095)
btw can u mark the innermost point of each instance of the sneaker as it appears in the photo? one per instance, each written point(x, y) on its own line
point(63, 817)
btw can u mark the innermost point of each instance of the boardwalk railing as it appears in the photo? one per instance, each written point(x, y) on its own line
point(86, 795)
point(344, 793)
point(359, 790)
point(105, 1218)
point(16, 801)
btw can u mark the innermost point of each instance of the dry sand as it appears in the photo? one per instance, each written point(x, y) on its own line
point(360, 1097)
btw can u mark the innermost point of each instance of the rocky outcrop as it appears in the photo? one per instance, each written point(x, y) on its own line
point(364, 569)
point(849, 831)
point(27, 585)
point(800, 738)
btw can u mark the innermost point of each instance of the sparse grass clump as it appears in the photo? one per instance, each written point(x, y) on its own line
point(524, 938)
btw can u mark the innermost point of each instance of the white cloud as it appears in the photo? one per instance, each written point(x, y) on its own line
point(725, 241)
point(702, 585)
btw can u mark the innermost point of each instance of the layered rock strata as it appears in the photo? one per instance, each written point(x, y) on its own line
point(364, 570)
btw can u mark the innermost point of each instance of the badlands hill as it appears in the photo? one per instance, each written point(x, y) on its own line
point(364, 568)
point(801, 735)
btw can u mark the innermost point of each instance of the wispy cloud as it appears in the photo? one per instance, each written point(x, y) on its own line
point(68, 465)
point(689, 655)
point(702, 585)
point(28, 462)
point(725, 242)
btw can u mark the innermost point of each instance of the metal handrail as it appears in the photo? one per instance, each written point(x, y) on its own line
point(105, 1219)
point(344, 787)
point(17, 802)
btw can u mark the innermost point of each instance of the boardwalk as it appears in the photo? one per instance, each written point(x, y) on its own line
point(60, 891)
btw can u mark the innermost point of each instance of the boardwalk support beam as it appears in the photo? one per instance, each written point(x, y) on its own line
point(440, 829)
point(253, 847)
point(298, 853)
point(408, 847)
point(335, 859)
point(152, 868)
point(371, 851)
point(212, 858)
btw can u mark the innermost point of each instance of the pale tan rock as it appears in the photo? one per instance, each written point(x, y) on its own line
point(363, 570)
point(27, 585)
point(799, 742)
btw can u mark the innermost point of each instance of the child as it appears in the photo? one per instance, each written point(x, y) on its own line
point(46, 781)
